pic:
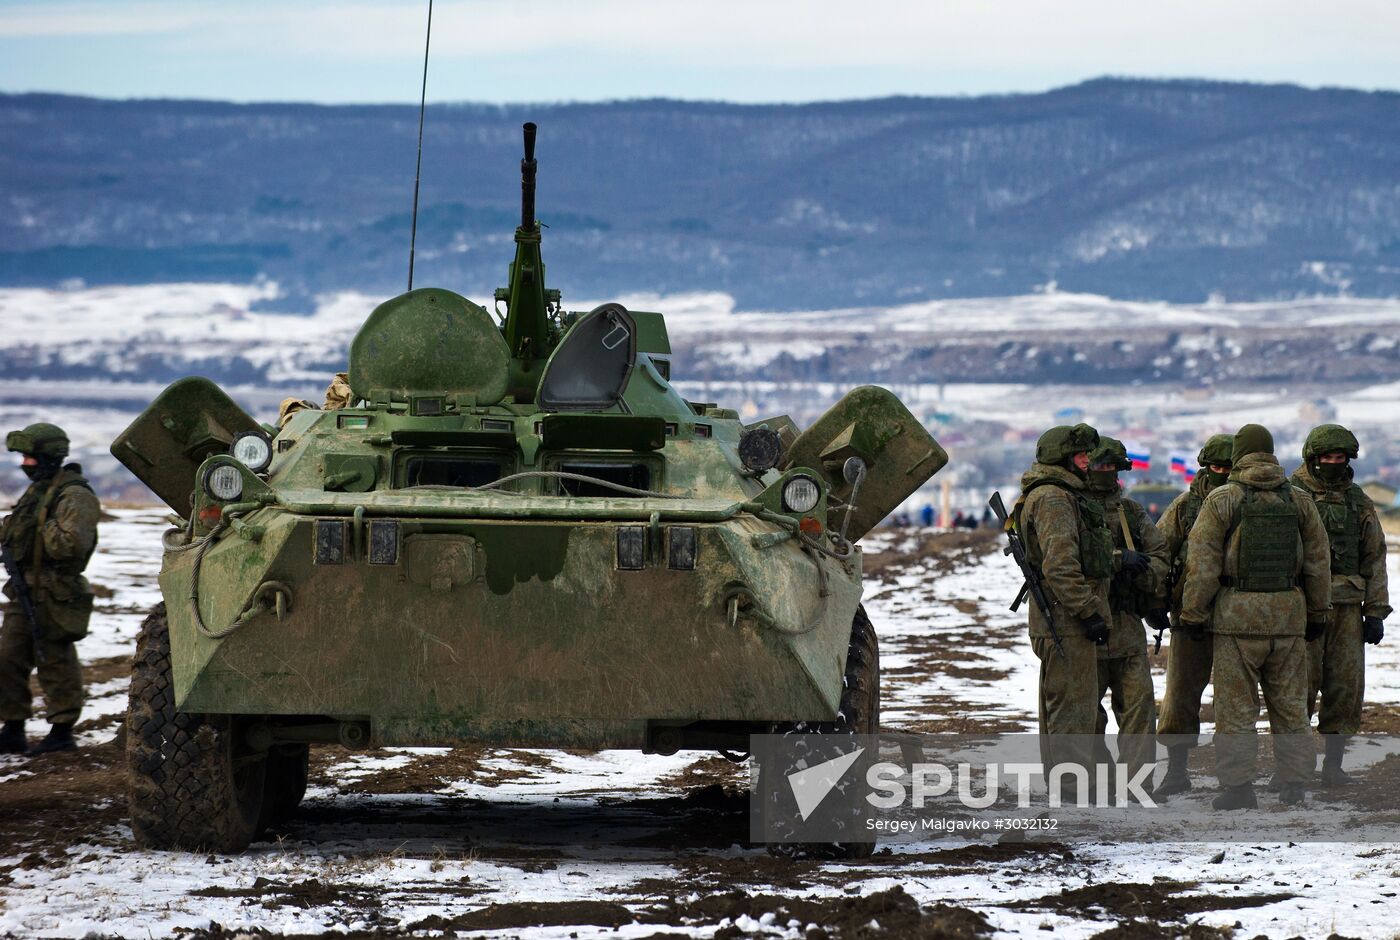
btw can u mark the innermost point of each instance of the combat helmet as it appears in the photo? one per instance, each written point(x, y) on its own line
point(39, 440)
point(1218, 450)
point(1110, 451)
point(1064, 441)
point(1326, 438)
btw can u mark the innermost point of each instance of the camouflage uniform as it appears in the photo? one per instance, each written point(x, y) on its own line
point(1122, 663)
point(1188, 659)
point(55, 524)
point(1069, 545)
point(1258, 632)
point(1337, 659)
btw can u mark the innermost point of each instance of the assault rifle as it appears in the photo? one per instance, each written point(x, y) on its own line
point(1017, 550)
point(1160, 620)
point(26, 603)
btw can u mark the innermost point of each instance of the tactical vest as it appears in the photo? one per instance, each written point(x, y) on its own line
point(1342, 519)
point(22, 529)
point(1122, 596)
point(1190, 512)
point(1095, 539)
point(1268, 558)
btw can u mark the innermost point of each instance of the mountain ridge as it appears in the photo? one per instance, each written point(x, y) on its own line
point(1141, 189)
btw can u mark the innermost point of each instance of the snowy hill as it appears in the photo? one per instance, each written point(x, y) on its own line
point(1157, 189)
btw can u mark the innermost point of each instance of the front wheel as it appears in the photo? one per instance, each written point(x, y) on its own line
point(859, 713)
point(192, 783)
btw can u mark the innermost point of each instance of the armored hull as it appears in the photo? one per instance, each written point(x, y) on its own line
point(512, 532)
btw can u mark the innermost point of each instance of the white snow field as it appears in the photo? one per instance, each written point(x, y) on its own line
point(616, 844)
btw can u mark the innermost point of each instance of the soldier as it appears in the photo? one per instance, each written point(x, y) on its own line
point(1142, 564)
point(50, 535)
point(1188, 660)
point(1071, 548)
point(1257, 572)
point(1360, 601)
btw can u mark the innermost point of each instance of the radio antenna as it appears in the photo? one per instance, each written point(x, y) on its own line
point(418, 170)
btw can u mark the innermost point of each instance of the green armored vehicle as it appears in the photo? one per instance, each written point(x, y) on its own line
point(514, 533)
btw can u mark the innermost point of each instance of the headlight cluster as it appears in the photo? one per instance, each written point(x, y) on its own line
point(253, 450)
point(223, 482)
point(800, 494)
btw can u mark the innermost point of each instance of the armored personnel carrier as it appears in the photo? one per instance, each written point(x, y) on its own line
point(515, 533)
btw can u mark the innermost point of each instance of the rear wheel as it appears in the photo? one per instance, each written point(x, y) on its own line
point(192, 782)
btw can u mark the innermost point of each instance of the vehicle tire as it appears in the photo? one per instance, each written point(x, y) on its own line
point(859, 714)
point(191, 784)
point(288, 766)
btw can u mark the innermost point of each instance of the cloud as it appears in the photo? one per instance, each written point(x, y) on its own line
point(744, 49)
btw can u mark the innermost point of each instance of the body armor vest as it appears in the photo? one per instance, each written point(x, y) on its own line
point(1122, 596)
point(1190, 512)
point(1095, 538)
point(22, 531)
point(1342, 519)
point(1268, 559)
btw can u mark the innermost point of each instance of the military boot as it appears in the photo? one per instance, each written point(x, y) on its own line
point(1290, 794)
point(1176, 780)
point(12, 739)
point(1240, 797)
point(1332, 773)
point(59, 738)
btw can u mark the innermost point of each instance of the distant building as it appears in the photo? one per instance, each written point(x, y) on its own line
point(1318, 411)
point(1382, 494)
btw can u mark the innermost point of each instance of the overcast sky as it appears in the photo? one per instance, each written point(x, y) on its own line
point(737, 50)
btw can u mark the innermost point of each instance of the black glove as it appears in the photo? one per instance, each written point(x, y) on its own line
point(1158, 619)
point(1196, 631)
point(1314, 630)
point(1372, 629)
point(1096, 629)
point(1134, 563)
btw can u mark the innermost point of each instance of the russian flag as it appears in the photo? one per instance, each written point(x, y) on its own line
point(1181, 464)
point(1140, 456)
point(1189, 474)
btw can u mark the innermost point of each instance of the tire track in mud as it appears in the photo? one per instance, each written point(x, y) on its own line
point(949, 648)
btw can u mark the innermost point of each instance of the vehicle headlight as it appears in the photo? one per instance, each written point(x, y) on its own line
point(800, 494)
point(223, 482)
point(253, 450)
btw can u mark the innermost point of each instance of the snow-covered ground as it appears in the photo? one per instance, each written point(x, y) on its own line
point(623, 845)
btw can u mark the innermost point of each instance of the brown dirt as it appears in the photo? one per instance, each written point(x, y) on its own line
point(945, 551)
point(1158, 902)
point(303, 894)
point(520, 914)
point(62, 799)
point(886, 913)
point(1380, 719)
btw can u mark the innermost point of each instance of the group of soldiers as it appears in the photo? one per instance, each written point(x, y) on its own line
point(48, 539)
point(1268, 583)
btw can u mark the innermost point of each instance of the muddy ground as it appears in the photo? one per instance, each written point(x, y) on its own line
point(433, 842)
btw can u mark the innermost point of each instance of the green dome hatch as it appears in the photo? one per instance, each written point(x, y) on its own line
point(429, 341)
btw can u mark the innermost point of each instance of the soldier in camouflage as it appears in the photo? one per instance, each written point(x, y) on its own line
point(50, 535)
point(1141, 566)
point(1257, 572)
point(1070, 546)
point(1188, 660)
point(1360, 600)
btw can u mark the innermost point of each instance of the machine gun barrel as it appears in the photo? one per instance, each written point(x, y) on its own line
point(527, 181)
point(1032, 586)
point(26, 603)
